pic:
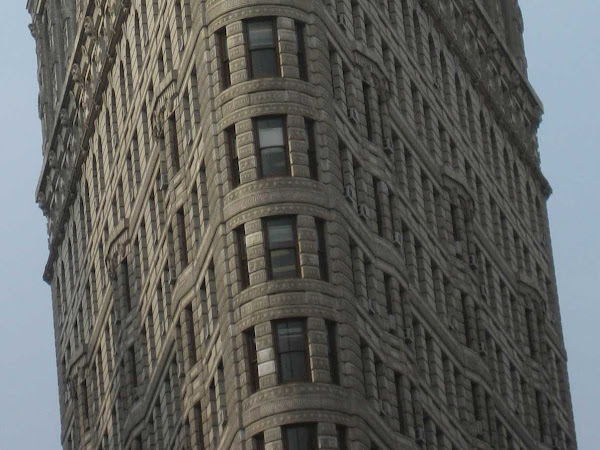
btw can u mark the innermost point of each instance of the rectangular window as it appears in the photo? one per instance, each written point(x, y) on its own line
point(281, 247)
point(240, 238)
point(401, 401)
point(311, 149)
point(529, 321)
point(224, 58)
point(389, 302)
point(271, 145)
point(292, 355)
point(332, 352)
point(174, 143)
point(367, 101)
point(301, 51)
point(85, 406)
point(342, 437)
point(261, 41)
point(182, 238)
point(199, 434)
point(302, 436)
point(322, 249)
point(378, 211)
point(250, 345)
point(191, 333)
point(231, 143)
point(124, 279)
point(204, 205)
point(258, 442)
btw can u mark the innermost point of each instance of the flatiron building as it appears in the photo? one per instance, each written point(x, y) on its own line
point(297, 225)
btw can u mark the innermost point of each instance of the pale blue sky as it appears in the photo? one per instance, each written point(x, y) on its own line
point(564, 65)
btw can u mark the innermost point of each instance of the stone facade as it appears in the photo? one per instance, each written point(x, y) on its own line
point(391, 287)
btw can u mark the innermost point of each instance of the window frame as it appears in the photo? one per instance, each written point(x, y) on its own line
point(311, 148)
point(248, 51)
point(268, 247)
point(258, 148)
point(174, 147)
point(332, 351)
point(182, 238)
point(278, 353)
point(252, 357)
point(378, 206)
point(234, 157)
point(300, 30)
point(240, 237)
point(190, 334)
point(367, 97)
point(223, 55)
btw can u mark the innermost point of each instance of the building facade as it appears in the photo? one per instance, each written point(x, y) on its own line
point(297, 224)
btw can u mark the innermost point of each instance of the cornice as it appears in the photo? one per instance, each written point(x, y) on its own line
point(520, 91)
point(86, 80)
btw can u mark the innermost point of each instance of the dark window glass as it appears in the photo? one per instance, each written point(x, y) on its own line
point(378, 211)
point(191, 334)
point(240, 237)
point(322, 250)
point(224, 58)
point(199, 426)
point(271, 145)
point(332, 352)
point(300, 437)
point(281, 247)
point(401, 401)
point(387, 284)
point(342, 437)
point(309, 130)
point(250, 344)
point(231, 142)
point(292, 356)
point(302, 68)
point(124, 278)
point(173, 142)
point(258, 442)
point(367, 101)
point(261, 41)
point(182, 238)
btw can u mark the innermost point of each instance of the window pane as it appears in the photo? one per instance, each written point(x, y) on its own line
point(283, 263)
point(260, 34)
point(300, 437)
point(290, 335)
point(281, 233)
point(250, 343)
point(273, 162)
point(264, 63)
point(258, 442)
point(293, 367)
point(270, 132)
point(225, 49)
point(271, 143)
